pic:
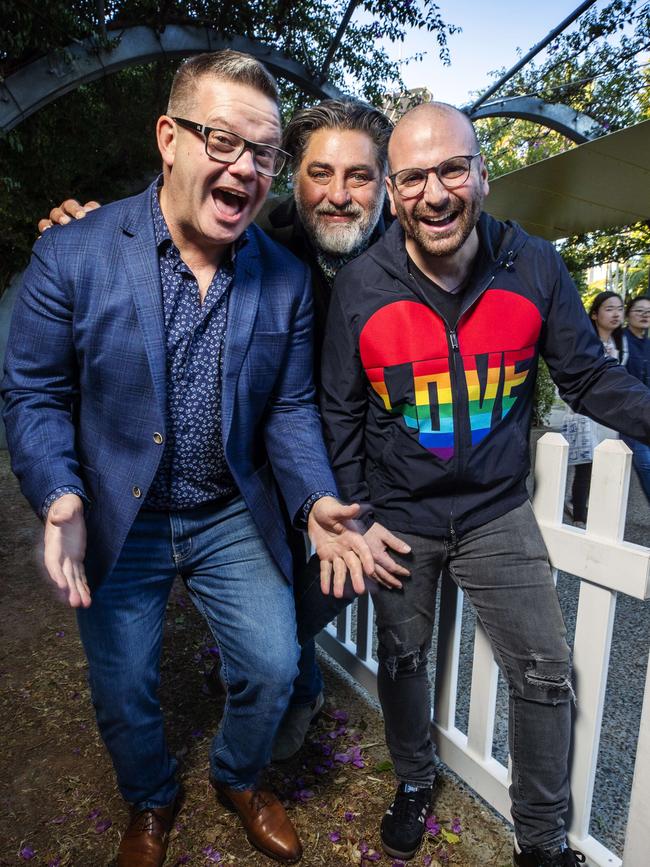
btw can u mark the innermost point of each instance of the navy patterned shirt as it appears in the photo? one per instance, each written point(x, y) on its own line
point(193, 468)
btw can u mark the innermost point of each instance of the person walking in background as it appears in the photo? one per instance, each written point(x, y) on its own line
point(637, 311)
point(582, 433)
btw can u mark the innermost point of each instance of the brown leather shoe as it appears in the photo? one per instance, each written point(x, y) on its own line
point(267, 825)
point(144, 843)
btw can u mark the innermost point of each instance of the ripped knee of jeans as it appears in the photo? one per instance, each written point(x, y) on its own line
point(548, 680)
point(407, 661)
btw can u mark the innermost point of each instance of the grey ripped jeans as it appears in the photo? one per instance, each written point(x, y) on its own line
point(504, 570)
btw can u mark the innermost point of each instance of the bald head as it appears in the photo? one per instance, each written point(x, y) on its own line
point(432, 120)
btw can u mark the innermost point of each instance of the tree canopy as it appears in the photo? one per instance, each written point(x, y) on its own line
point(98, 142)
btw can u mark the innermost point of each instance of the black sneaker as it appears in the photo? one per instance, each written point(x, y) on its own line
point(547, 858)
point(403, 825)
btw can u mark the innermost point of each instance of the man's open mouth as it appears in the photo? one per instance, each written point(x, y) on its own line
point(230, 203)
point(439, 221)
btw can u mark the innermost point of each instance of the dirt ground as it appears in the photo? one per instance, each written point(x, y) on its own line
point(58, 802)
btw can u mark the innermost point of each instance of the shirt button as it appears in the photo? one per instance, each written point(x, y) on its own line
point(137, 493)
point(158, 438)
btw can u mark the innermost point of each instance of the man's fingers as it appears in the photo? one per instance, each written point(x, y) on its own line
point(82, 585)
point(383, 577)
point(356, 573)
point(43, 225)
point(325, 576)
point(363, 552)
point(340, 574)
point(92, 205)
point(386, 562)
point(393, 542)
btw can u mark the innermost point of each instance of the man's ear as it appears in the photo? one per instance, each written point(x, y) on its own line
point(484, 176)
point(166, 137)
point(389, 190)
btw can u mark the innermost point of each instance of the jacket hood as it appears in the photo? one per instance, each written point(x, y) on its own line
point(500, 241)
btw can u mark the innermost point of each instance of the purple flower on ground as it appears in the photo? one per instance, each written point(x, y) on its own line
point(58, 820)
point(60, 633)
point(302, 795)
point(320, 770)
point(340, 732)
point(55, 862)
point(331, 736)
point(401, 863)
point(426, 862)
point(349, 815)
point(456, 827)
point(341, 716)
point(27, 853)
point(212, 855)
point(103, 825)
point(372, 856)
point(76, 751)
point(363, 847)
point(433, 826)
point(94, 813)
point(326, 750)
point(334, 836)
point(343, 758)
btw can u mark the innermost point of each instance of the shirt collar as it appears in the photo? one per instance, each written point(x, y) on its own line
point(161, 229)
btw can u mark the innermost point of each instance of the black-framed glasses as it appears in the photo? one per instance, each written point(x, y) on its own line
point(225, 146)
point(451, 173)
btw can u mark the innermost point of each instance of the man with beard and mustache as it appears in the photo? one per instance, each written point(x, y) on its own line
point(429, 364)
point(338, 164)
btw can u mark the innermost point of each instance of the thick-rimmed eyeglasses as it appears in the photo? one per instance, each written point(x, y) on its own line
point(225, 146)
point(451, 173)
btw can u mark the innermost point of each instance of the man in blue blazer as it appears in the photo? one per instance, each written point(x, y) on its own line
point(158, 379)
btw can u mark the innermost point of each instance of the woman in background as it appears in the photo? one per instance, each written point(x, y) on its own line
point(583, 434)
point(638, 322)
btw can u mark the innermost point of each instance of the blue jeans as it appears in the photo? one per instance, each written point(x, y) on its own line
point(504, 570)
point(640, 462)
point(248, 605)
point(313, 612)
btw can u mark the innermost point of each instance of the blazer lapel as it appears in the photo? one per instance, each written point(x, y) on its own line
point(243, 302)
point(143, 272)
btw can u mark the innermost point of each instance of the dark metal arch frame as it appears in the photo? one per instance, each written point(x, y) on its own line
point(44, 80)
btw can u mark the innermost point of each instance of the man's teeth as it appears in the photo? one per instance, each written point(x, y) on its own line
point(438, 220)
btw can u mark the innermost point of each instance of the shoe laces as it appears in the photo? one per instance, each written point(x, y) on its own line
point(147, 822)
point(259, 800)
point(408, 806)
point(566, 858)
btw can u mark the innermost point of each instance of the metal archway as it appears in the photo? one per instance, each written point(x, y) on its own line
point(41, 82)
point(573, 124)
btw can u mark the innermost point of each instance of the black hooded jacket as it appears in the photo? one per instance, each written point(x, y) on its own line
point(429, 423)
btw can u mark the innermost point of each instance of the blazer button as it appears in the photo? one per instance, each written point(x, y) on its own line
point(137, 493)
point(158, 438)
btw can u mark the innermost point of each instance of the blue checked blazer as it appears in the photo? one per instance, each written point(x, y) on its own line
point(84, 385)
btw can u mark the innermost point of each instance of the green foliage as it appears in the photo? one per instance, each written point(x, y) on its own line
point(544, 395)
point(98, 141)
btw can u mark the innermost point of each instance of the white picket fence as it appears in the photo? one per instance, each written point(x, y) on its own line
point(607, 566)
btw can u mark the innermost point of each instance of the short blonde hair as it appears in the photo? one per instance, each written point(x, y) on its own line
point(227, 65)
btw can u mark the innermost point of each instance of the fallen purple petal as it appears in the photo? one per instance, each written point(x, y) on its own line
point(456, 827)
point(433, 826)
point(94, 813)
point(103, 825)
point(343, 758)
point(372, 856)
point(59, 820)
point(320, 770)
point(426, 861)
point(401, 863)
point(55, 862)
point(302, 795)
point(340, 716)
point(349, 815)
point(334, 836)
point(27, 853)
point(60, 633)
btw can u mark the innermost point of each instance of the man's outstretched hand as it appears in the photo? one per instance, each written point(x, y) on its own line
point(339, 544)
point(69, 210)
point(65, 549)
